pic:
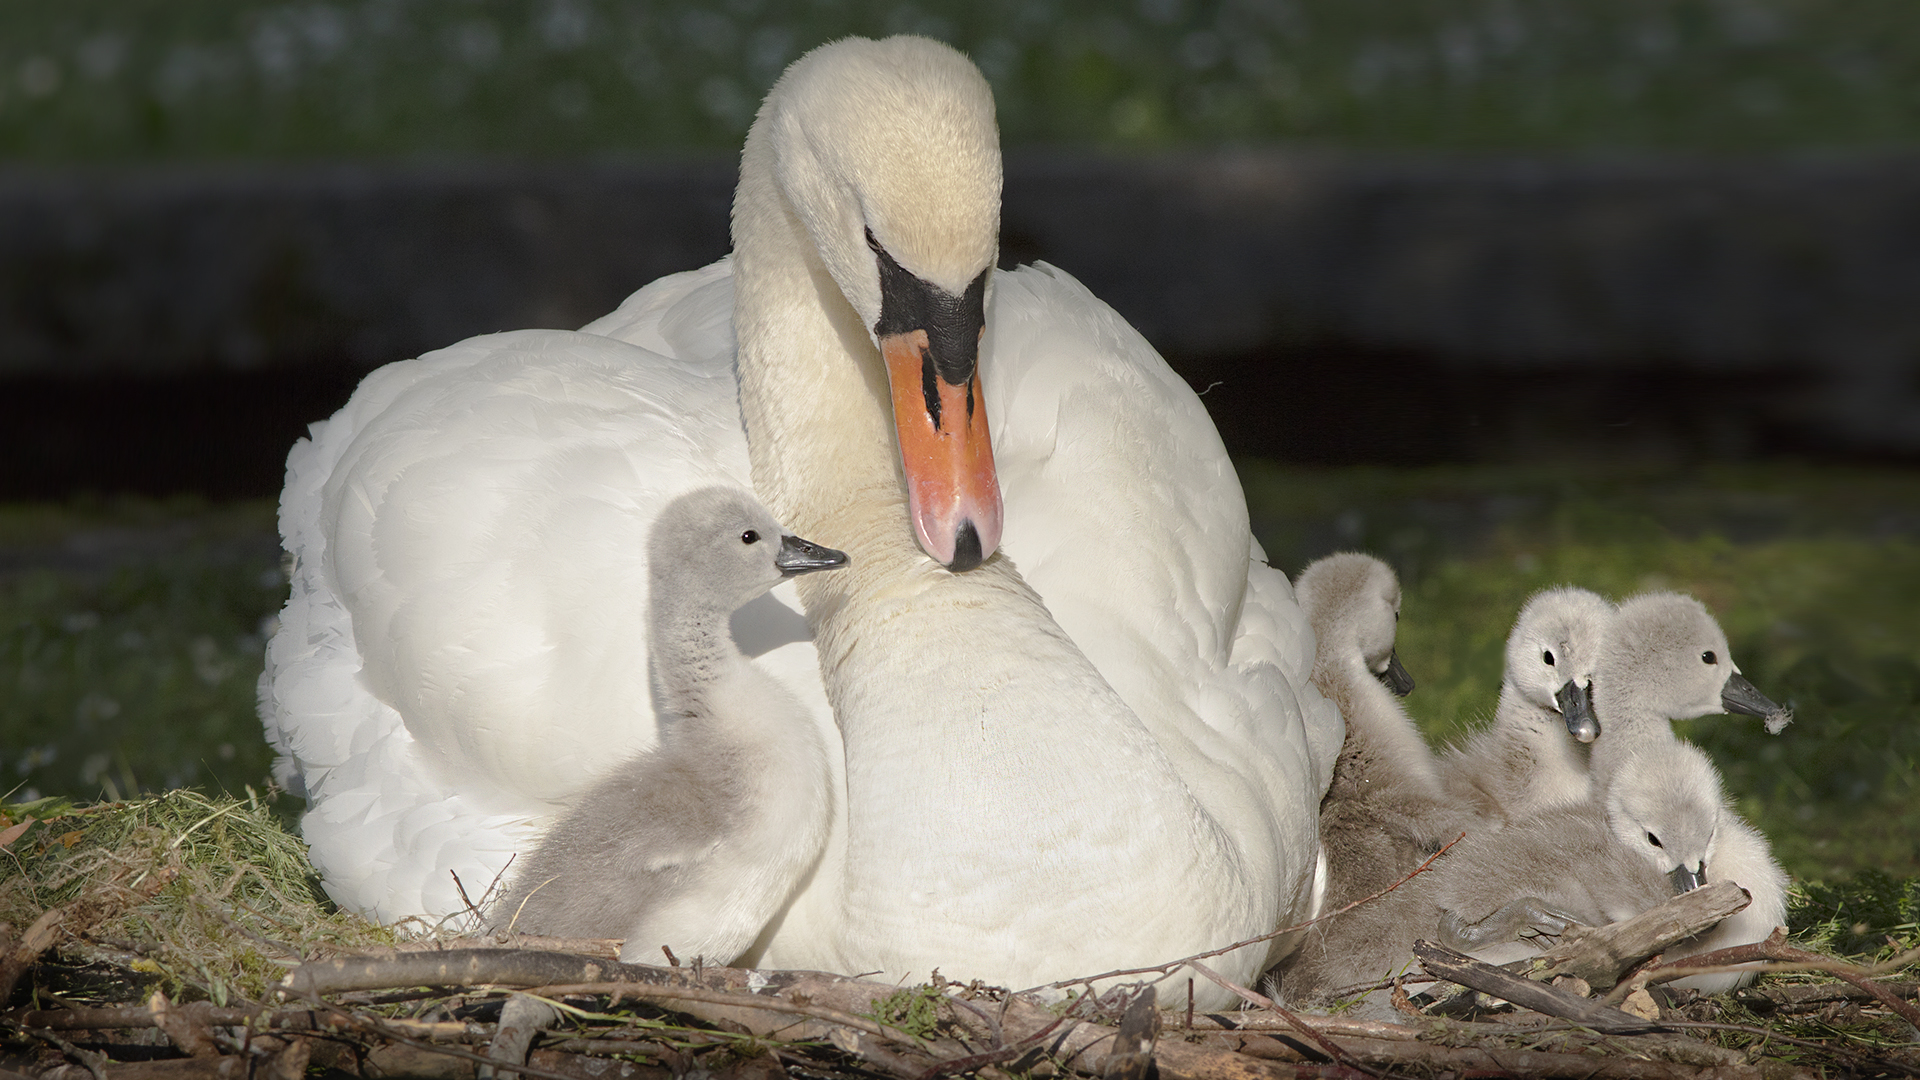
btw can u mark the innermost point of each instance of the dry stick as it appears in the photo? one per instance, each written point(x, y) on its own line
point(1775, 947)
point(1741, 958)
point(1132, 1053)
point(1168, 968)
point(463, 967)
point(1599, 954)
point(1801, 997)
point(94, 1061)
point(381, 1029)
point(1444, 963)
point(1263, 1002)
point(1810, 1044)
point(766, 1003)
point(521, 1019)
point(138, 1016)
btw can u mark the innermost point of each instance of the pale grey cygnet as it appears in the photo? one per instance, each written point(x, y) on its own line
point(1664, 658)
point(1532, 757)
point(1504, 894)
point(699, 842)
point(1383, 812)
point(1667, 804)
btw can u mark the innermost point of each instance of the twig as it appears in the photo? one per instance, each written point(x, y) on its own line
point(1170, 966)
point(1775, 948)
point(382, 1029)
point(1263, 1002)
point(1444, 963)
point(766, 1003)
point(460, 967)
point(1599, 954)
point(94, 1062)
point(1809, 1044)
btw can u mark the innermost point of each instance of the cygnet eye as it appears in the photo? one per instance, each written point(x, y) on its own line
point(1654, 840)
point(750, 537)
point(1548, 657)
point(1708, 657)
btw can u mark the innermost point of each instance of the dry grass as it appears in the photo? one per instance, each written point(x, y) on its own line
point(210, 897)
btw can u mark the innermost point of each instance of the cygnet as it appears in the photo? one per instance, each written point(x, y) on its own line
point(1702, 840)
point(1664, 658)
point(1383, 812)
point(1503, 895)
point(698, 843)
point(1532, 756)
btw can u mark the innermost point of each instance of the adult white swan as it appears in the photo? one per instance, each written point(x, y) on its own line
point(1108, 756)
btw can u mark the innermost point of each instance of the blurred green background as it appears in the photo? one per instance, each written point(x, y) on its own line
point(131, 630)
point(113, 80)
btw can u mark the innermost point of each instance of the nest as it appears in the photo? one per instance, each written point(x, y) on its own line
point(184, 936)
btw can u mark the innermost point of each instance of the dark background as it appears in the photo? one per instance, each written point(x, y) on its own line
point(1382, 231)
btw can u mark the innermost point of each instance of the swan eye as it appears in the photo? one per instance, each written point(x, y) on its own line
point(750, 537)
point(1548, 657)
point(871, 242)
point(1654, 840)
point(1708, 657)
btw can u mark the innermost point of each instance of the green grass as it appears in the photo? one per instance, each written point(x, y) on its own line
point(131, 638)
point(118, 80)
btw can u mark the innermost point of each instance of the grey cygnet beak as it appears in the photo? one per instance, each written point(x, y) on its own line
point(1396, 676)
point(1576, 708)
point(799, 556)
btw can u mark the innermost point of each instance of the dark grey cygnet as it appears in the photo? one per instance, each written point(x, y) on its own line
point(698, 843)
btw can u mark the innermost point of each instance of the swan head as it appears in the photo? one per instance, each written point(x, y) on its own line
point(1353, 603)
point(1668, 656)
point(888, 154)
point(715, 548)
point(1552, 653)
point(1666, 804)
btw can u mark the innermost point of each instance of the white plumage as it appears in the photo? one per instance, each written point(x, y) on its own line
point(1118, 766)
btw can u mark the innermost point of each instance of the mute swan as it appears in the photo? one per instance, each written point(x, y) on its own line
point(696, 843)
point(1128, 732)
point(1383, 812)
point(1529, 759)
point(1703, 840)
point(1664, 658)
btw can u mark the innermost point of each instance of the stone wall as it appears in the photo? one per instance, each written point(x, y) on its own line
point(1775, 302)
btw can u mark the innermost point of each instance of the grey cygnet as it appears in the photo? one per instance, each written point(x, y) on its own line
point(699, 842)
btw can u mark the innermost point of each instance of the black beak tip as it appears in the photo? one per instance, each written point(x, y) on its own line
point(966, 549)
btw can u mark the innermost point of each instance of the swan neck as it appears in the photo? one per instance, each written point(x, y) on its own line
point(691, 649)
point(813, 394)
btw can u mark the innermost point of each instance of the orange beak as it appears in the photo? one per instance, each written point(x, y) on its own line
point(953, 495)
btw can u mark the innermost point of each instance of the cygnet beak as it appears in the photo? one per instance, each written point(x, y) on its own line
point(799, 556)
point(1687, 878)
point(1741, 696)
point(1396, 676)
point(1576, 708)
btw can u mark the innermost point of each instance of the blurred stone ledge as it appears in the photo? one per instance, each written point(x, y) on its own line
point(1783, 294)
